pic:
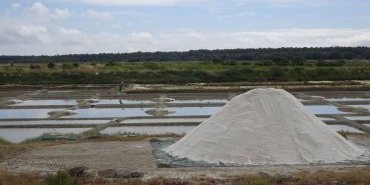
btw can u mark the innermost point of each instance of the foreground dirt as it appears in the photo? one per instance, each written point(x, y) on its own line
point(33, 165)
point(128, 156)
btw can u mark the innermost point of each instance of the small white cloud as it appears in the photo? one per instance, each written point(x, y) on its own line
point(62, 13)
point(289, 3)
point(99, 16)
point(138, 2)
point(237, 15)
point(39, 9)
point(69, 31)
point(16, 5)
point(41, 12)
point(141, 35)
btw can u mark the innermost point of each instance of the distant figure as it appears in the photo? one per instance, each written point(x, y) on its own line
point(121, 86)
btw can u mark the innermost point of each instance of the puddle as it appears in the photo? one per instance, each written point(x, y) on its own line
point(45, 102)
point(165, 120)
point(25, 113)
point(53, 122)
point(18, 135)
point(153, 130)
point(345, 128)
point(348, 99)
point(201, 101)
point(196, 111)
point(324, 109)
point(123, 101)
point(326, 119)
point(107, 113)
point(358, 118)
point(130, 112)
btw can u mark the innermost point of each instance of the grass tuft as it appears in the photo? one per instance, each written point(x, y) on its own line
point(4, 142)
point(61, 178)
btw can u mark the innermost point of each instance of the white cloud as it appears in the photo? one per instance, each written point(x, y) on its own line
point(139, 2)
point(16, 5)
point(39, 40)
point(237, 15)
point(69, 31)
point(40, 12)
point(14, 34)
point(39, 9)
point(61, 14)
point(100, 16)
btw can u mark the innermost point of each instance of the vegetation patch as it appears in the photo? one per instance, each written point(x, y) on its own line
point(181, 72)
point(355, 176)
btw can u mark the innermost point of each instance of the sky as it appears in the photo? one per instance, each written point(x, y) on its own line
point(54, 27)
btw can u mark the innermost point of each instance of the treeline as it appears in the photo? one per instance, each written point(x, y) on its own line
point(285, 55)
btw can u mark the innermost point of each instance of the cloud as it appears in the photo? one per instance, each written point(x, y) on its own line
point(237, 15)
point(41, 12)
point(99, 16)
point(139, 2)
point(39, 40)
point(290, 3)
point(61, 14)
point(14, 34)
point(39, 9)
point(16, 5)
point(69, 31)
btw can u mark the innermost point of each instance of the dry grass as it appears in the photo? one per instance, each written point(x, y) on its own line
point(359, 176)
point(7, 178)
point(7, 150)
point(11, 150)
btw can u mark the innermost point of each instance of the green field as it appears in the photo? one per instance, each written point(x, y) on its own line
point(181, 72)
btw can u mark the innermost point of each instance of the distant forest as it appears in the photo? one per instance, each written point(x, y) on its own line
point(280, 54)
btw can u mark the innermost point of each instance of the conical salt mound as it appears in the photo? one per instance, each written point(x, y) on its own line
point(264, 126)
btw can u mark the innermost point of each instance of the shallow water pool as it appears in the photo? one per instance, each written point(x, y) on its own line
point(44, 102)
point(18, 135)
point(25, 113)
point(324, 109)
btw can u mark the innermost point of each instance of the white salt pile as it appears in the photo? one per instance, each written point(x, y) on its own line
point(264, 126)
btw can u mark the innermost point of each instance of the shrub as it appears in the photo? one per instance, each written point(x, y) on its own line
point(67, 66)
point(33, 66)
point(76, 65)
point(61, 178)
point(110, 64)
point(51, 65)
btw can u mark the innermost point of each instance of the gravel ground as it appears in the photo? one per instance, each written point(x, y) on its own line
point(137, 156)
point(126, 156)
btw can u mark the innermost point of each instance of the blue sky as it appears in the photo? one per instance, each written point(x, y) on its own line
point(49, 27)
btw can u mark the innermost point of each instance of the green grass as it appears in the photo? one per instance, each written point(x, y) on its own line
point(4, 142)
point(179, 72)
point(61, 178)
